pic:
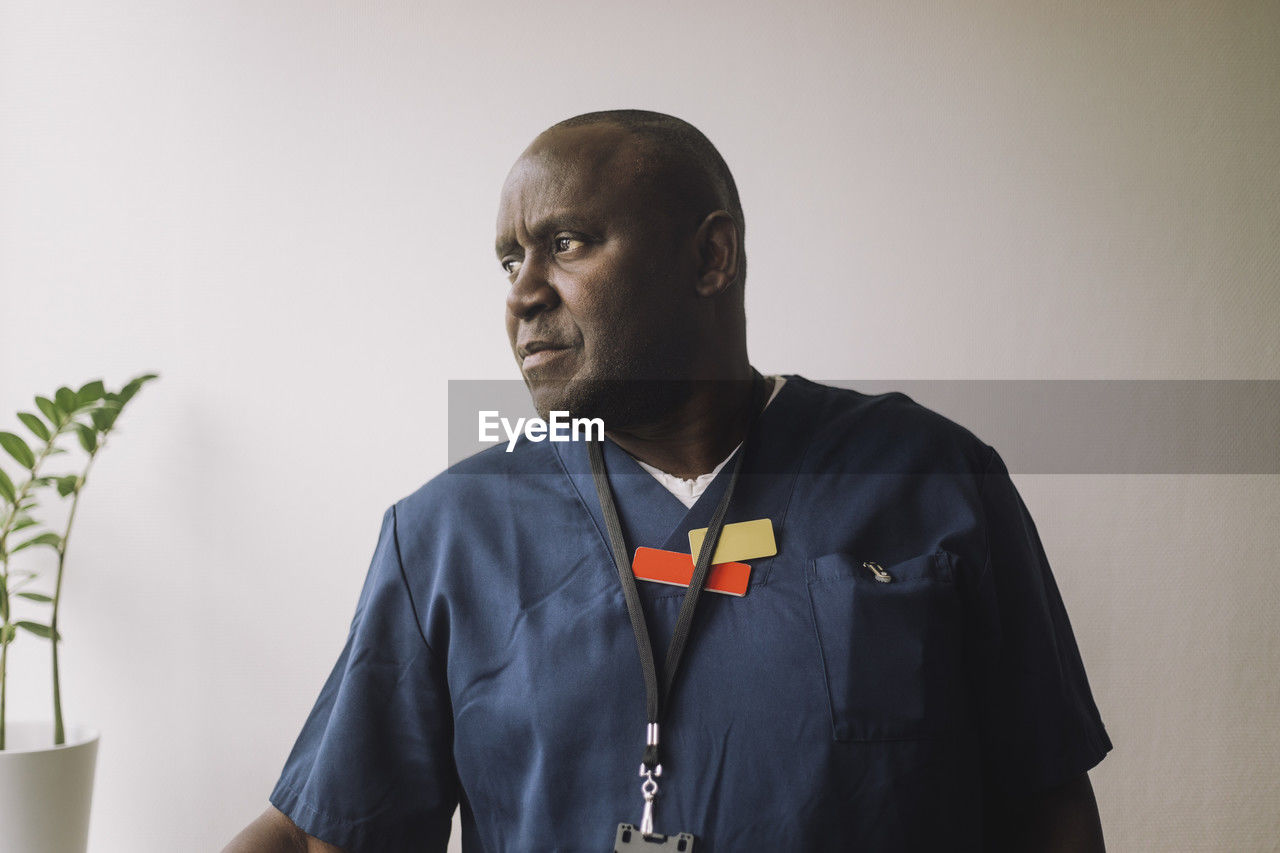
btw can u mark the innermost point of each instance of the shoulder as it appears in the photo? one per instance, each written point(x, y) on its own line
point(887, 432)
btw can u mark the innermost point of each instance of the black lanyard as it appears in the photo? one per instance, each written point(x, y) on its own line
point(702, 567)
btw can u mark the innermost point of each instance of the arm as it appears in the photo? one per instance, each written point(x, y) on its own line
point(1063, 819)
point(1042, 730)
point(372, 768)
point(273, 832)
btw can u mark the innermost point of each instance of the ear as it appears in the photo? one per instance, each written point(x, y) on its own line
point(718, 253)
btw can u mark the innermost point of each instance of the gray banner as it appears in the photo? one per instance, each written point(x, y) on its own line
point(1073, 426)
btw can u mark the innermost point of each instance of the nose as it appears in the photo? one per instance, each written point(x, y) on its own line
point(531, 292)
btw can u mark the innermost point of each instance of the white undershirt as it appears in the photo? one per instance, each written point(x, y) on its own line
point(688, 491)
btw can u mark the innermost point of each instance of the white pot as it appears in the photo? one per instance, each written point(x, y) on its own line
point(46, 790)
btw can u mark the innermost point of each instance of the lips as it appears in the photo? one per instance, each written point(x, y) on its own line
point(531, 347)
point(536, 353)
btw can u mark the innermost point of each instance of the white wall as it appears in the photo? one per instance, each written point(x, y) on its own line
point(286, 209)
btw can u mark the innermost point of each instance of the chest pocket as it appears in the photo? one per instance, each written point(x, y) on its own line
point(890, 650)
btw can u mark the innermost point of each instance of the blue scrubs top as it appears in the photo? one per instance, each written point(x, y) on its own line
point(491, 662)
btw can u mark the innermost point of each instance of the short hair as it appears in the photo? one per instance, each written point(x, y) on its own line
point(679, 147)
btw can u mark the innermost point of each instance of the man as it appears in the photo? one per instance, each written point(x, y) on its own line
point(899, 675)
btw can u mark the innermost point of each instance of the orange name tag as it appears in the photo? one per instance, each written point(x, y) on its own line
point(675, 568)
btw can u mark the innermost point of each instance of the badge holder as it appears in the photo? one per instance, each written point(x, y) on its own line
point(630, 839)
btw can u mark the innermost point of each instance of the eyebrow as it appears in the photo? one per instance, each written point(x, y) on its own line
point(552, 222)
point(504, 246)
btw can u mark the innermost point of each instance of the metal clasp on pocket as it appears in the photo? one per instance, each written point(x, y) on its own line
point(879, 572)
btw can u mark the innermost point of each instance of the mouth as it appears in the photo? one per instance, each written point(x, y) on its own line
point(538, 354)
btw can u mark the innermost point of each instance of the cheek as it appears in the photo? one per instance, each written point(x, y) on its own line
point(617, 300)
point(587, 297)
point(606, 315)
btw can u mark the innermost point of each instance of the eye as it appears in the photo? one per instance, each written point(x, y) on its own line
point(566, 243)
point(511, 266)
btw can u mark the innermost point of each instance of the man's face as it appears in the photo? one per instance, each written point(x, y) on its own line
point(602, 274)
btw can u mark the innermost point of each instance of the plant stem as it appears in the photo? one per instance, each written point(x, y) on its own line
point(4, 665)
point(59, 734)
point(22, 493)
point(4, 631)
point(5, 529)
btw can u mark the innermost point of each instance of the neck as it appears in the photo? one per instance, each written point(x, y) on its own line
point(695, 436)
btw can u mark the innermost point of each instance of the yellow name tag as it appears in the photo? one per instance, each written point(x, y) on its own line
point(743, 540)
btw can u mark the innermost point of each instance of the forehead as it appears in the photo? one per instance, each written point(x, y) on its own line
point(589, 170)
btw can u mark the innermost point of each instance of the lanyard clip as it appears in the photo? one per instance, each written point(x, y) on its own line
point(649, 790)
point(649, 768)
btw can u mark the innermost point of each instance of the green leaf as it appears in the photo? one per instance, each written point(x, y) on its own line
point(88, 438)
point(133, 385)
point(53, 540)
point(68, 484)
point(35, 596)
point(17, 448)
point(37, 629)
point(8, 634)
point(65, 400)
point(6, 488)
point(104, 417)
point(90, 392)
point(23, 523)
point(34, 424)
point(45, 405)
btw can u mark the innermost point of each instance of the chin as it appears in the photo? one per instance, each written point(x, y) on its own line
point(549, 395)
point(620, 403)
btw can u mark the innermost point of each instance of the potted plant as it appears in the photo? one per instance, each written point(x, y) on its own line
point(46, 769)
